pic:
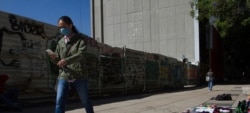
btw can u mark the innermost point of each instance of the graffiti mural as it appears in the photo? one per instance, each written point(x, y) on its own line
point(22, 55)
point(20, 58)
point(178, 76)
point(93, 72)
point(111, 70)
point(134, 70)
point(26, 26)
point(165, 72)
point(152, 71)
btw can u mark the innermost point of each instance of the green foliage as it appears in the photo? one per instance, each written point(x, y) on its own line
point(229, 13)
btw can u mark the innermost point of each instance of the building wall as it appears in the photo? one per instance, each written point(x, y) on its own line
point(23, 42)
point(155, 26)
point(22, 52)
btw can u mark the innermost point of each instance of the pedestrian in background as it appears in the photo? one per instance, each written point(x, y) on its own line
point(209, 79)
point(69, 57)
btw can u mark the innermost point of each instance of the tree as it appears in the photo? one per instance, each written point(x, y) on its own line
point(230, 14)
point(233, 24)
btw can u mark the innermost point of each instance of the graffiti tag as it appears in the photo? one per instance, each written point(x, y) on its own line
point(25, 26)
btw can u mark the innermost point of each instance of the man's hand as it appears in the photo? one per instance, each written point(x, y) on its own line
point(62, 63)
point(51, 54)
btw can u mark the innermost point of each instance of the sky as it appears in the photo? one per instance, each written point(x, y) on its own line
point(48, 11)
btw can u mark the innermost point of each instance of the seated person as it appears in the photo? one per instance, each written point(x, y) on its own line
point(8, 98)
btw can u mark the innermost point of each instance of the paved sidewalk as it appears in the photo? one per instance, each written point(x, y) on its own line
point(167, 102)
point(175, 102)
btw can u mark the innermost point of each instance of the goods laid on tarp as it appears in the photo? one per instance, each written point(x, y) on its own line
point(213, 108)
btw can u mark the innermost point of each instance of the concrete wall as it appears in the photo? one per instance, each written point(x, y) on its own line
point(22, 52)
point(155, 26)
point(23, 42)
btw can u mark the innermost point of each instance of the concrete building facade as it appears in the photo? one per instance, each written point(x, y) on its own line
point(156, 26)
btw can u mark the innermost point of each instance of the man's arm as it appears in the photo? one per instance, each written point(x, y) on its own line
point(77, 56)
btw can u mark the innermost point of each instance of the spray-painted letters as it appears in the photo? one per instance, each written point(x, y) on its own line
point(25, 26)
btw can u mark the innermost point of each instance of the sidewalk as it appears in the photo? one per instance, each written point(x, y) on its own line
point(238, 93)
point(165, 102)
point(175, 102)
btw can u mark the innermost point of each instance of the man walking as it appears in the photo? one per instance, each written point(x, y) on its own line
point(209, 75)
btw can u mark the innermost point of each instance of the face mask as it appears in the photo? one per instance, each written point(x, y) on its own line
point(65, 31)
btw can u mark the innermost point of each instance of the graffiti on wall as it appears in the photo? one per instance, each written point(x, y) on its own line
point(152, 67)
point(134, 70)
point(178, 76)
point(26, 26)
point(111, 70)
point(165, 73)
point(93, 70)
point(20, 57)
